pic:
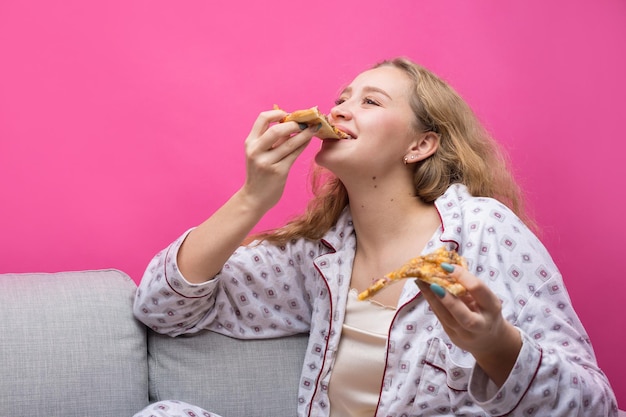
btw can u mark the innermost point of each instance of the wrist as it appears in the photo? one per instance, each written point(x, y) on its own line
point(498, 360)
point(252, 202)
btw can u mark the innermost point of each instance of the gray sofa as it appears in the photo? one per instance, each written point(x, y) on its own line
point(70, 346)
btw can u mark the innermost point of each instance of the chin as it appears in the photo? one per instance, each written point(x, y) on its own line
point(324, 159)
point(332, 154)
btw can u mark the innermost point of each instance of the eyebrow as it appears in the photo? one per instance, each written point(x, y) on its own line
point(368, 89)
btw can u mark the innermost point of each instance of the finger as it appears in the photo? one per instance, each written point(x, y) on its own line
point(294, 145)
point(289, 151)
point(481, 294)
point(292, 132)
point(258, 136)
point(279, 160)
point(436, 302)
point(456, 314)
point(264, 119)
point(271, 138)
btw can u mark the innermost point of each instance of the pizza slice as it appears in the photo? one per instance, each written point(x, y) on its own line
point(426, 268)
point(312, 117)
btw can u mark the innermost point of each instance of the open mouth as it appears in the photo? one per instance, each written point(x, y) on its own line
point(350, 137)
point(349, 134)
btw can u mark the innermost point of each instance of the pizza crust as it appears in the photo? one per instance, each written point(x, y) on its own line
point(426, 268)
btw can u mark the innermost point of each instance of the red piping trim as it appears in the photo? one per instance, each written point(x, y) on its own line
point(444, 371)
point(382, 381)
point(330, 330)
point(168, 281)
point(443, 230)
point(529, 384)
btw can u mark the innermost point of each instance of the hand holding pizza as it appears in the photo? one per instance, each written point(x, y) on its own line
point(474, 322)
point(271, 150)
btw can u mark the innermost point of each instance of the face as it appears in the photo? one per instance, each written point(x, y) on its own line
point(374, 109)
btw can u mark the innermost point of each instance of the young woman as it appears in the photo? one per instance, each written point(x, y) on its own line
point(420, 173)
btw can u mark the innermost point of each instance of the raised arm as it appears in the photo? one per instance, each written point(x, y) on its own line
point(271, 150)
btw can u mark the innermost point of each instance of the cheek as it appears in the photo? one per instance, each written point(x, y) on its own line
point(392, 132)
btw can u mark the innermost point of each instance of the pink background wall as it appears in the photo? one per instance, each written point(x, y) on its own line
point(122, 122)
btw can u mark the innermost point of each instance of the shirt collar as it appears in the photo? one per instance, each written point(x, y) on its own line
point(341, 232)
point(449, 206)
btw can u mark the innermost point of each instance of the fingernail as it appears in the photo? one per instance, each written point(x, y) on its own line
point(447, 267)
point(438, 290)
point(318, 127)
point(302, 126)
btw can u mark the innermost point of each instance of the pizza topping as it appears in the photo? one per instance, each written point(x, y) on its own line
point(426, 268)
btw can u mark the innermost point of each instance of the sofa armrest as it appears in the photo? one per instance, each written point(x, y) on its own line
point(70, 345)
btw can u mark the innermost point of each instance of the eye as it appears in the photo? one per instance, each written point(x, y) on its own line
point(339, 101)
point(370, 102)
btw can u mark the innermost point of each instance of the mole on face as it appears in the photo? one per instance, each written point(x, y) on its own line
point(374, 179)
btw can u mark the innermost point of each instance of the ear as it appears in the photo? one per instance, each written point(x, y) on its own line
point(423, 147)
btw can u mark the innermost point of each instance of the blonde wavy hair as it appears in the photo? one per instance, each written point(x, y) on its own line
point(467, 154)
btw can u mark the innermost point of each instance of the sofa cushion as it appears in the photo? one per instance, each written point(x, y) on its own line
point(227, 376)
point(70, 345)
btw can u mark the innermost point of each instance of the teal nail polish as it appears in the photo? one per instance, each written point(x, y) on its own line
point(302, 126)
point(438, 290)
point(447, 267)
point(318, 127)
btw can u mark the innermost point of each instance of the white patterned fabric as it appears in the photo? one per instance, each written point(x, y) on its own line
point(173, 408)
point(265, 291)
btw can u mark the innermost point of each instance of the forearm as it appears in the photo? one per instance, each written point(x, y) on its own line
point(207, 247)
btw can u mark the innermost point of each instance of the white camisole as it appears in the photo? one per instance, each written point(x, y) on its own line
point(356, 378)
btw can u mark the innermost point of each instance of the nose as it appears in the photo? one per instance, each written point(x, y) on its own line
point(340, 111)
